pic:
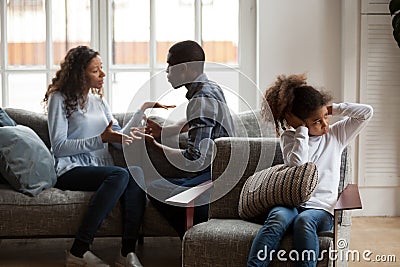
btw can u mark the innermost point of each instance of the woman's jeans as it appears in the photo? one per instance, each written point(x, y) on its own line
point(111, 184)
point(305, 223)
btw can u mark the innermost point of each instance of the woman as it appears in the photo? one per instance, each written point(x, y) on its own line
point(80, 127)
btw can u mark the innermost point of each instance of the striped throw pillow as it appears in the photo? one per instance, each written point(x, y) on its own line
point(277, 185)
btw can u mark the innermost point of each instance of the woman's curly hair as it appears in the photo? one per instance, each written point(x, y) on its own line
point(291, 94)
point(70, 79)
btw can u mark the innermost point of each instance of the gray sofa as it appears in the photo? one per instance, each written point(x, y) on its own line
point(57, 213)
point(224, 240)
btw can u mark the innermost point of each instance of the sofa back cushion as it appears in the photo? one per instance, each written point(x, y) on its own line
point(38, 122)
point(251, 124)
point(235, 161)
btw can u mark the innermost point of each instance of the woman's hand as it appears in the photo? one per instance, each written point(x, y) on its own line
point(139, 133)
point(111, 136)
point(151, 104)
point(294, 121)
point(136, 132)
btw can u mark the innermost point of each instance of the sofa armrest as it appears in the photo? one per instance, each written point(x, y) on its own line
point(349, 199)
point(187, 198)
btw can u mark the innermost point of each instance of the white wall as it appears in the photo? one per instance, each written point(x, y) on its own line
point(297, 36)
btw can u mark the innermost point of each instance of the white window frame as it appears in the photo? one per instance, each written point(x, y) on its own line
point(101, 41)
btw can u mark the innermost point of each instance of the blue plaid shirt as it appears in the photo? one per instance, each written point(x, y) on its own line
point(208, 118)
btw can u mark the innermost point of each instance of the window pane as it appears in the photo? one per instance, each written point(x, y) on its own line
point(131, 35)
point(30, 93)
point(71, 26)
point(125, 86)
point(174, 22)
point(26, 32)
point(220, 30)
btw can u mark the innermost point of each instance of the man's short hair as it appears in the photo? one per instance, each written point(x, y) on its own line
point(186, 51)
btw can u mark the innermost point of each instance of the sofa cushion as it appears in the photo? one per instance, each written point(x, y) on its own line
point(53, 212)
point(203, 243)
point(277, 185)
point(61, 213)
point(25, 161)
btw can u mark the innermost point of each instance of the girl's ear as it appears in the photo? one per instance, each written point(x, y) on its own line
point(329, 110)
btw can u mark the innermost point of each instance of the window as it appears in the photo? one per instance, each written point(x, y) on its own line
point(133, 38)
point(23, 53)
point(36, 36)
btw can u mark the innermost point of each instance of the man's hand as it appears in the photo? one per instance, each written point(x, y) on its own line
point(153, 128)
point(110, 136)
point(294, 121)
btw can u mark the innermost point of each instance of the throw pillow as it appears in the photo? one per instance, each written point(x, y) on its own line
point(25, 161)
point(277, 185)
point(5, 120)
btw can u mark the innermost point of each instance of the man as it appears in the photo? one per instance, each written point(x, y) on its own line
point(207, 118)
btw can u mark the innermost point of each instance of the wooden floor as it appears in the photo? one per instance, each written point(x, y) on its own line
point(379, 235)
point(378, 238)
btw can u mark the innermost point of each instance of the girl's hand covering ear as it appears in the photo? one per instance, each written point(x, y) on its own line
point(294, 121)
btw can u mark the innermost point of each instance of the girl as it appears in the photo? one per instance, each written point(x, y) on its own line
point(302, 112)
point(80, 127)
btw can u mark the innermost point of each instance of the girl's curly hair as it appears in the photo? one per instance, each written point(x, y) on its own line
point(291, 94)
point(70, 79)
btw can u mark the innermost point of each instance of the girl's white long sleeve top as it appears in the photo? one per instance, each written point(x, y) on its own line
point(325, 151)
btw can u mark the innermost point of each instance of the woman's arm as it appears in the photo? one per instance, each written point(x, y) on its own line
point(114, 134)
